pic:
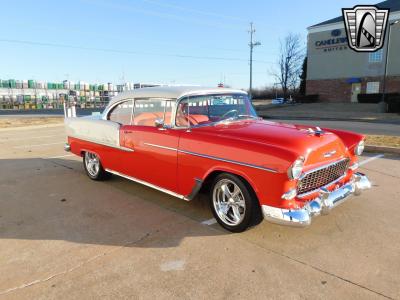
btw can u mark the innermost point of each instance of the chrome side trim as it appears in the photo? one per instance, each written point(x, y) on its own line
point(212, 157)
point(149, 185)
point(103, 144)
point(161, 147)
point(126, 149)
point(228, 161)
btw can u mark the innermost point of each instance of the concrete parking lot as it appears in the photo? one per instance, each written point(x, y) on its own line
point(65, 236)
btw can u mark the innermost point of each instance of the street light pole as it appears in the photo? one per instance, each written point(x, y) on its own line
point(252, 45)
point(387, 59)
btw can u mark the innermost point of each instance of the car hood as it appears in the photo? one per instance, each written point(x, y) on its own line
point(295, 138)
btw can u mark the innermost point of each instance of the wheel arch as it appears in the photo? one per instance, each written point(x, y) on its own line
point(213, 173)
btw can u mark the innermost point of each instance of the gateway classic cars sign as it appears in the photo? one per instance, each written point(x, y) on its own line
point(364, 31)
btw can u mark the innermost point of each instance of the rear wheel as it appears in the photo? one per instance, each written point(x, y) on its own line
point(93, 167)
point(233, 203)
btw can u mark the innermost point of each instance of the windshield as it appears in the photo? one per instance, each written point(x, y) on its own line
point(208, 109)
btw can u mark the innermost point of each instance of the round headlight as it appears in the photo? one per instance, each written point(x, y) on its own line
point(359, 149)
point(294, 172)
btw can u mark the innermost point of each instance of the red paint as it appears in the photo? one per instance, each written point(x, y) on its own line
point(261, 143)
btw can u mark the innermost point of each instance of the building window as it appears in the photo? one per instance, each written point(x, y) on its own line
point(373, 87)
point(376, 56)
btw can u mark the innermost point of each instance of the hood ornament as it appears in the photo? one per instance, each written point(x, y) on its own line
point(317, 132)
point(330, 154)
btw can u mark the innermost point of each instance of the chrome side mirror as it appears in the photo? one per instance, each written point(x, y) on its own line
point(159, 123)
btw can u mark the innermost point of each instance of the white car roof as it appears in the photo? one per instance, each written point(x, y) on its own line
point(172, 92)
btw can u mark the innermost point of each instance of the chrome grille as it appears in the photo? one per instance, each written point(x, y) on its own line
point(322, 176)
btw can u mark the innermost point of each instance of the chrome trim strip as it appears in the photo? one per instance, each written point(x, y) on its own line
point(159, 146)
point(228, 161)
point(322, 187)
point(322, 167)
point(148, 184)
point(126, 149)
point(103, 144)
point(212, 157)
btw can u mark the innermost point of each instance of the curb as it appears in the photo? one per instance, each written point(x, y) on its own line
point(380, 149)
point(289, 118)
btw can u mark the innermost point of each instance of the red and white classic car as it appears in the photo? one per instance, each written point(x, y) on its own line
point(183, 140)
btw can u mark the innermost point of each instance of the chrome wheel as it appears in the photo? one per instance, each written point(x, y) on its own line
point(229, 202)
point(92, 164)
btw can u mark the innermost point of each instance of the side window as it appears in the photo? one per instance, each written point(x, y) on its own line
point(196, 111)
point(122, 113)
point(147, 111)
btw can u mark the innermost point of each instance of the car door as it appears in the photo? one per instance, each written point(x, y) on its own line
point(154, 156)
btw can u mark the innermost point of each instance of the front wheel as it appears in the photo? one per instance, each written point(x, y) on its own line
point(93, 167)
point(233, 203)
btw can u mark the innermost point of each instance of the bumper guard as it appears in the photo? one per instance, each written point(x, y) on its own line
point(321, 205)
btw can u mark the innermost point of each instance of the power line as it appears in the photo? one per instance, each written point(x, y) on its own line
point(126, 8)
point(182, 8)
point(96, 34)
point(109, 50)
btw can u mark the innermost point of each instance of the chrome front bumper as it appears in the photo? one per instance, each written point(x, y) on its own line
point(67, 147)
point(321, 205)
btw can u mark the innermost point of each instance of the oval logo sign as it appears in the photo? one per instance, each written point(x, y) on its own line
point(336, 32)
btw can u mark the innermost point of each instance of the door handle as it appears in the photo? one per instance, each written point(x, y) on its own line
point(127, 131)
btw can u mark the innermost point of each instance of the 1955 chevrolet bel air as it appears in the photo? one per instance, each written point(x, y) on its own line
point(183, 140)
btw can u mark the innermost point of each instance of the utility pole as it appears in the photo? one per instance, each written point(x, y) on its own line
point(252, 45)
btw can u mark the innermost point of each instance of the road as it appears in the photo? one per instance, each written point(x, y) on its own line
point(360, 127)
point(64, 236)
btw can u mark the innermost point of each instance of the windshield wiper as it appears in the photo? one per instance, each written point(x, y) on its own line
point(232, 119)
point(247, 116)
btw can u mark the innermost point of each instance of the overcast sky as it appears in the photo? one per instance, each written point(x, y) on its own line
point(177, 41)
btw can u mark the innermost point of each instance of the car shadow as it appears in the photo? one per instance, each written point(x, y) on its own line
point(53, 199)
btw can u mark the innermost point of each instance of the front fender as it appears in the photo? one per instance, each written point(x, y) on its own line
point(350, 139)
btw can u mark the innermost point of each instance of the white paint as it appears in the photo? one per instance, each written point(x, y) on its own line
point(38, 145)
point(368, 160)
point(174, 265)
point(209, 222)
point(91, 129)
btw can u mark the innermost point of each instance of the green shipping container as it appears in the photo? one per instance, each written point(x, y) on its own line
point(31, 84)
point(60, 86)
point(12, 83)
point(5, 84)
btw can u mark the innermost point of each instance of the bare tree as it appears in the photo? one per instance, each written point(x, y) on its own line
point(289, 63)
